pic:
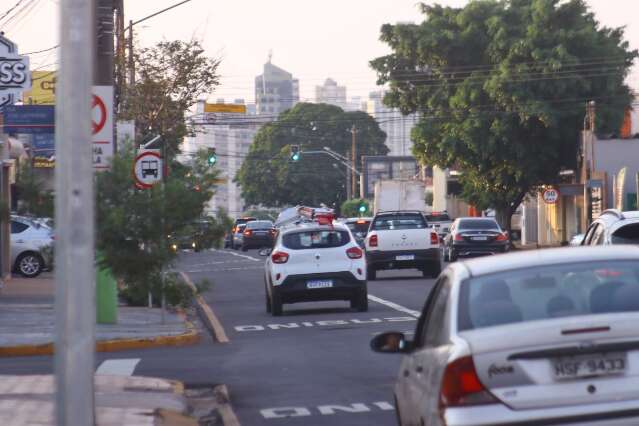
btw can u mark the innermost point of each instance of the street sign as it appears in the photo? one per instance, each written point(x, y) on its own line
point(102, 126)
point(147, 168)
point(42, 89)
point(29, 119)
point(551, 195)
point(14, 72)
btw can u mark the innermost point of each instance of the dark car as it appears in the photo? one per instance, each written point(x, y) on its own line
point(232, 237)
point(258, 234)
point(472, 236)
point(359, 228)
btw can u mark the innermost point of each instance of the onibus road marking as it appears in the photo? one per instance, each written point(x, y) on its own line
point(393, 305)
point(118, 367)
point(325, 410)
point(323, 323)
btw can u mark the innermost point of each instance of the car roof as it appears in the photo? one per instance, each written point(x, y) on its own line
point(398, 212)
point(472, 218)
point(554, 256)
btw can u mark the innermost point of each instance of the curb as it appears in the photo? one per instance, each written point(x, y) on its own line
point(206, 314)
point(189, 338)
point(224, 408)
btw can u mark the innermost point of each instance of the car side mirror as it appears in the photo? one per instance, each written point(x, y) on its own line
point(265, 251)
point(391, 342)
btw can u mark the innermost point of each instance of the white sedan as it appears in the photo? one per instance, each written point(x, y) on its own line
point(535, 338)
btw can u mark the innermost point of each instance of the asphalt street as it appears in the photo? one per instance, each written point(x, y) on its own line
point(311, 366)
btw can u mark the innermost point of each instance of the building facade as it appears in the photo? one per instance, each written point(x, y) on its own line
point(275, 90)
point(332, 94)
point(396, 125)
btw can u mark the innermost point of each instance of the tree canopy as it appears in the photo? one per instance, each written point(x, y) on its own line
point(269, 177)
point(501, 87)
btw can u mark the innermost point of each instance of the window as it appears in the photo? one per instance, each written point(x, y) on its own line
point(435, 329)
point(628, 234)
point(359, 226)
point(315, 239)
point(589, 234)
point(542, 293)
point(260, 224)
point(479, 224)
point(598, 236)
point(438, 217)
point(18, 227)
point(399, 221)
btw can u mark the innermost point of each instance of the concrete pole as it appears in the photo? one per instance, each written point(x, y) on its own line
point(131, 58)
point(74, 215)
point(353, 161)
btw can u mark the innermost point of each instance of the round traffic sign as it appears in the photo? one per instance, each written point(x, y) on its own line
point(147, 169)
point(551, 195)
point(101, 114)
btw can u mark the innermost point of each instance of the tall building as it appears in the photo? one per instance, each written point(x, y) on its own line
point(396, 125)
point(331, 93)
point(275, 90)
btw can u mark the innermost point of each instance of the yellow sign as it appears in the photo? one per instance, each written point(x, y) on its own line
point(43, 163)
point(42, 89)
point(225, 108)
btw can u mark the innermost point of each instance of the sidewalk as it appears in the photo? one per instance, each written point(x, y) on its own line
point(119, 400)
point(27, 323)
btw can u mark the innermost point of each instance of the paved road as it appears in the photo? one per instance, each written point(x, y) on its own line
point(311, 366)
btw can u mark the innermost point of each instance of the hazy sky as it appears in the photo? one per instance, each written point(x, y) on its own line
point(312, 39)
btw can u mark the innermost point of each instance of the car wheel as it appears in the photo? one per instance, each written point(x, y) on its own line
point(30, 265)
point(276, 304)
point(268, 302)
point(360, 301)
point(452, 255)
point(445, 254)
point(371, 273)
point(433, 269)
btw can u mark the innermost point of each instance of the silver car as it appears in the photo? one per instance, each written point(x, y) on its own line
point(31, 246)
point(534, 338)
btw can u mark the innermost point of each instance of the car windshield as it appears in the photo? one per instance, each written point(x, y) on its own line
point(315, 239)
point(359, 226)
point(437, 217)
point(549, 292)
point(259, 224)
point(478, 224)
point(399, 221)
point(628, 234)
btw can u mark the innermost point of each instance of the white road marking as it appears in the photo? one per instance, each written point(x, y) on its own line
point(193, 271)
point(323, 323)
point(325, 410)
point(393, 305)
point(243, 255)
point(118, 367)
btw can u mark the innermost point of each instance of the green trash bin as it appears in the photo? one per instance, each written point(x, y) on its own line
point(106, 296)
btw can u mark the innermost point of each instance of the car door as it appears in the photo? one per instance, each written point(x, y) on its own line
point(420, 370)
point(18, 239)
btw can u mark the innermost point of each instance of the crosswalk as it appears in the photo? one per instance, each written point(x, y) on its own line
point(118, 367)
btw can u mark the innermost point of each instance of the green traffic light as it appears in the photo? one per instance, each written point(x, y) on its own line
point(362, 208)
point(212, 160)
point(295, 157)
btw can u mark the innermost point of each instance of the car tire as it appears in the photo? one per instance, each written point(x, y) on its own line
point(445, 255)
point(433, 269)
point(371, 273)
point(276, 304)
point(360, 301)
point(452, 255)
point(268, 302)
point(29, 264)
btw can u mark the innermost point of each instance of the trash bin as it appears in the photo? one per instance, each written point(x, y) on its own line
point(106, 296)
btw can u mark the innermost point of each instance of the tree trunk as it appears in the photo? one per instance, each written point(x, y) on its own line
point(504, 215)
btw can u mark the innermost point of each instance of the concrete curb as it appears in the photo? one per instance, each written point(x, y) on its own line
point(206, 314)
point(224, 406)
point(189, 338)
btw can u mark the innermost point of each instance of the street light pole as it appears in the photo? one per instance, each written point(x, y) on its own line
point(75, 314)
point(353, 160)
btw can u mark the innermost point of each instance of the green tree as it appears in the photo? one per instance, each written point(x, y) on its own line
point(170, 77)
point(501, 86)
point(269, 177)
point(32, 196)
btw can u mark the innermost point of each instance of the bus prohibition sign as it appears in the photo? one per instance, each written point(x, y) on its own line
point(147, 169)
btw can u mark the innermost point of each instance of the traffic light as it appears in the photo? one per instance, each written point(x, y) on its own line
point(363, 207)
point(295, 152)
point(212, 157)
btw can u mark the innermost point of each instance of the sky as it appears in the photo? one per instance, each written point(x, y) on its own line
point(311, 39)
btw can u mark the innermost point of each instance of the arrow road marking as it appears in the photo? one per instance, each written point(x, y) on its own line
point(118, 367)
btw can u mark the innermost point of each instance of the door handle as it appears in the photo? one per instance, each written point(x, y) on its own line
point(419, 369)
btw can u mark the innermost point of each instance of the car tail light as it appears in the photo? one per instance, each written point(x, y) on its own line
point(461, 386)
point(354, 253)
point(373, 241)
point(501, 237)
point(434, 238)
point(248, 233)
point(458, 237)
point(279, 257)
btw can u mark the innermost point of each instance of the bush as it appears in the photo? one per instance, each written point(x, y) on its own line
point(176, 291)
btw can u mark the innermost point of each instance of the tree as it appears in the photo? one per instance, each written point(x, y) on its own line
point(351, 208)
point(501, 87)
point(170, 77)
point(33, 197)
point(270, 177)
point(133, 225)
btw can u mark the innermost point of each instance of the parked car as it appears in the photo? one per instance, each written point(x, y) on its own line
point(527, 339)
point(258, 234)
point(576, 240)
point(613, 227)
point(440, 222)
point(359, 228)
point(31, 246)
point(402, 240)
point(315, 262)
point(472, 236)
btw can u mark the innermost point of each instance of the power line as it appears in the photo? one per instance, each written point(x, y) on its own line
point(11, 9)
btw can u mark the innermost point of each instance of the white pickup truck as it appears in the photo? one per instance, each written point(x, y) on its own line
point(440, 222)
point(402, 240)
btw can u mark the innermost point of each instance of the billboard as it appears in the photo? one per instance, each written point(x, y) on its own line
point(42, 89)
point(225, 108)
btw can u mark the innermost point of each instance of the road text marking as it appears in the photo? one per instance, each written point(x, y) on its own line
point(325, 410)
point(323, 323)
point(393, 305)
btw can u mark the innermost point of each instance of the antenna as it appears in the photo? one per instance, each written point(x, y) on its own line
point(270, 55)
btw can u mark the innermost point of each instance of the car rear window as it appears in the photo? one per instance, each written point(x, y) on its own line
point(315, 239)
point(479, 224)
point(240, 227)
point(438, 217)
point(399, 221)
point(260, 224)
point(359, 227)
point(548, 292)
point(628, 234)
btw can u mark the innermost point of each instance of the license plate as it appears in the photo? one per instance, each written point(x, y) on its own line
point(319, 284)
point(405, 257)
point(589, 365)
point(480, 238)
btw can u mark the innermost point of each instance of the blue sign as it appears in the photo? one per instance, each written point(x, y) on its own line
point(29, 119)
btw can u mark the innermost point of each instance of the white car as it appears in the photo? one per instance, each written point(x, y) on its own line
point(31, 246)
point(313, 262)
point(402, 240)
point(536, 338)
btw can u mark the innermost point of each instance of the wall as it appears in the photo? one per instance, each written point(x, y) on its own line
point(613, 154)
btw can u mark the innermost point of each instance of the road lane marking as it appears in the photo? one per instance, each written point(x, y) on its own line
point(243, 256)
point(321, 323)
point(210, 318)
point(245, 268)
point(325, 410)
point(118, 367)
point(393, 305)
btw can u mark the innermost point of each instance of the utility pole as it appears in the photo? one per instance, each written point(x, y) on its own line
point(74, 215)
point(131, 60)
point(120, 53)
point(349, 178)
point(353, 160)
point(104, 70)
